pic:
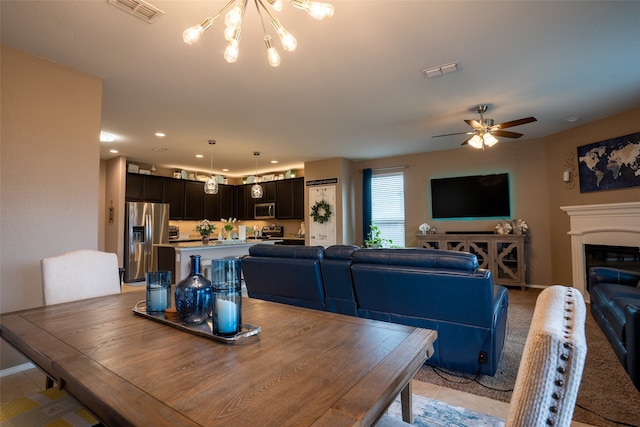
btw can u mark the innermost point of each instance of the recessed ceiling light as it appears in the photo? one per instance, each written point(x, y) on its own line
point(106, 137)
point(274, 161)
point(160, 134)
point(572, 119)
point(199, 156)
point(160, 149)
point(113, 151)
point(225, 170)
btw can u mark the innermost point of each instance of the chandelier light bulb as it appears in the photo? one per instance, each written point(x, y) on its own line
point(319, 10)
point(276, 4)
point(233, 18)
point(476, 142)
point(289, 43)
point(272, 53)
point(232, 51)
point(489, 140)
point(191, 35)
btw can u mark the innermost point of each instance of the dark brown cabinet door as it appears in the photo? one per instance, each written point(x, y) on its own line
point(134, 187)
point(212, 206)
point(227, 205)
point(173, 193)
point(193, 200)
point(290, 202)
point(153, 188)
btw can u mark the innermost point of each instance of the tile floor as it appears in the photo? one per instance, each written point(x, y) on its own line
point(33, 380)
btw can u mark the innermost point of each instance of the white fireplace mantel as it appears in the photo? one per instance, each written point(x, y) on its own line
point(613, 224)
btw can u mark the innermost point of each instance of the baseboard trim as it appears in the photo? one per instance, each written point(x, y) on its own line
point(16, 369)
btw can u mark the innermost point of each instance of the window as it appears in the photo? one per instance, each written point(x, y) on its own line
point(387, 204)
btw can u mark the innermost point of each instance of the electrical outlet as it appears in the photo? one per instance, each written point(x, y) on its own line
point(482, 358)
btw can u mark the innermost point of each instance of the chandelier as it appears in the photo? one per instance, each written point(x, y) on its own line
point(256, 189)
point(211, 184)
point(233, 22)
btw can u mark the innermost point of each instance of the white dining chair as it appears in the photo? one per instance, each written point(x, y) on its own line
point(78, 275)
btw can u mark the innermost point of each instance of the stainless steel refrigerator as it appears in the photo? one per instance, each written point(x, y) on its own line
point(146, 224)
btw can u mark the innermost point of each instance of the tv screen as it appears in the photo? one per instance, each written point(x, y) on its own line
point(479, 196)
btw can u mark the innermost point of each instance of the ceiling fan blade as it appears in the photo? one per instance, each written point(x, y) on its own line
point(450, 134)
point(514, 123)
point(506, 134)
point(474, 124)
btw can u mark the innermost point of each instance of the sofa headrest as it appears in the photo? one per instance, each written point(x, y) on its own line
point(418, 257)
point(287, 251)
point(340, 251)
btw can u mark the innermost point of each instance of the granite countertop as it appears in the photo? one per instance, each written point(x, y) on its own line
point(215, 243)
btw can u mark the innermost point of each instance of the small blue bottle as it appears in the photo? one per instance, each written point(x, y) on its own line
point(194, 296)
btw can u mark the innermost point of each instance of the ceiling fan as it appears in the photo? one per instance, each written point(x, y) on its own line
point(484, 131)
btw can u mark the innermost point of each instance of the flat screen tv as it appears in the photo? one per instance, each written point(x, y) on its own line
point(479, 196)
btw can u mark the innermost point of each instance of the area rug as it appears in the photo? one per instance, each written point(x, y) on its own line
point(433, 413)
point(606, 397)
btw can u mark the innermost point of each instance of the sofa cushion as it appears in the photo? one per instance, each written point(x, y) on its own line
point(612, 299)
point(287, 251)
point(419, 257)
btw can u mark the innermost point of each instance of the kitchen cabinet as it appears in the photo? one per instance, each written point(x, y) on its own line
point(212, 206)
point(290, 198)
point(244, 202)
point(193, 200)
point(226, 197)
point(173, 194)
point(144, 188)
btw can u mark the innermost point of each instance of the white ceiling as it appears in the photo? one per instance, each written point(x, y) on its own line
point(353, 88)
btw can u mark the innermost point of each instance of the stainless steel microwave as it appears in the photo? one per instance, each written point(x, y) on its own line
point(264, 210)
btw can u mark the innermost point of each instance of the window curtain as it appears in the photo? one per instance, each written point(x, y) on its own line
point(366, 202)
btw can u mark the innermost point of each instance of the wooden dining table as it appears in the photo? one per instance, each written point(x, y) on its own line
point(305, 367)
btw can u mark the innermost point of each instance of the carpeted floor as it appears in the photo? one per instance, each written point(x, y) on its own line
point(606, 392)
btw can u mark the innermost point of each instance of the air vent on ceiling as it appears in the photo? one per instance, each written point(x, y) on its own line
point(139, 8)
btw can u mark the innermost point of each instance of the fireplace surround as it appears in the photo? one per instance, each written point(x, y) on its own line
point(613, 224)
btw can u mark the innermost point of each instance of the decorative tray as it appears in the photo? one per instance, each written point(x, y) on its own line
point(203, 329)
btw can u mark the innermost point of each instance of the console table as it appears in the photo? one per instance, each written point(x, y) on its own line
point(503, 254)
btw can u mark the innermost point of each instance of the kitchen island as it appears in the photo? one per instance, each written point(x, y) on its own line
point(175, 257)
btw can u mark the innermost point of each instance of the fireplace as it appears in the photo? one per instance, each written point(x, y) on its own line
point(611, 228)
point(624, 257)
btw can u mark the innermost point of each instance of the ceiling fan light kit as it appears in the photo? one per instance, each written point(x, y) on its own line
point(234, 18)
point(485, 131)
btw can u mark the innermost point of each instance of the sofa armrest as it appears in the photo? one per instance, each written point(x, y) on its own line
point(632, 316)
point(613, 275)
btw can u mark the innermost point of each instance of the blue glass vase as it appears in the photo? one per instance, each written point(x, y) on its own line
point(193, 295)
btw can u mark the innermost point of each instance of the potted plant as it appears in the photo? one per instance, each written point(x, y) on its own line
point(374, 240)
point(205, 228)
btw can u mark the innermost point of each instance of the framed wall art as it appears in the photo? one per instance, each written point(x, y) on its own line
point(610, 164)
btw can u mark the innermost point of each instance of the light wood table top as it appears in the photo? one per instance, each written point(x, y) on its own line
point(306, 367)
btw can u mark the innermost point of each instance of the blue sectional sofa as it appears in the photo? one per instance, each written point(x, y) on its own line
point(435, 289)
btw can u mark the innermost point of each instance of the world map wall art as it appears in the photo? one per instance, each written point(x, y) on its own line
point(610, 164)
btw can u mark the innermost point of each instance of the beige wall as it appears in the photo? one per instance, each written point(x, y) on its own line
point(560, 148)
point(525, 163)
point(49, 176)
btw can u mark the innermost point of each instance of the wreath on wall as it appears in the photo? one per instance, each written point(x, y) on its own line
point(321, 211)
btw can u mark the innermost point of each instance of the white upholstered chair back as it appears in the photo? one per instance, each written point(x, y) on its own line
point(551, 367)
point(78, 275)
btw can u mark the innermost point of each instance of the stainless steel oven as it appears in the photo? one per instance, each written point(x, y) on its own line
point(264, 210)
